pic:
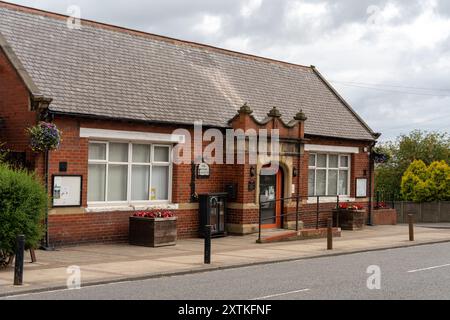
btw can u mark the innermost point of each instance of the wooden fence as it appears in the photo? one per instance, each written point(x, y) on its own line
point(433, 212)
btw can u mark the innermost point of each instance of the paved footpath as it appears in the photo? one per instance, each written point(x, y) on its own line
point(113, 263)
point(413, 273)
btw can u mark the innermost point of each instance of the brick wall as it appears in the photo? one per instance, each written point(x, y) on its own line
point(74, 150)
point(14, 109)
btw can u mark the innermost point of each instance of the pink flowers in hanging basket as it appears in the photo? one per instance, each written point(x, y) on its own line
point(154, 214)
point(44, 137)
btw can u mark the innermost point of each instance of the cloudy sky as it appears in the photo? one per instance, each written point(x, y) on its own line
point(389, 58)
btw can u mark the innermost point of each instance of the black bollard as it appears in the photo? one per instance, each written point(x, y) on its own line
point(18, 269)
point(208, 230)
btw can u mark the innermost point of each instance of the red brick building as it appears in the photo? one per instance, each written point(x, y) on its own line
point(118, 95)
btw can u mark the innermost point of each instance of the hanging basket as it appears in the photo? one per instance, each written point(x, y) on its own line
point(44, 137)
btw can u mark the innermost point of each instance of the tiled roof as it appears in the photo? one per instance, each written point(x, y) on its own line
point(111, 72)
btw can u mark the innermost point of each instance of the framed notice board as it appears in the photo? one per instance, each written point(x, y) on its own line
point(66, 191)
point(361, 188)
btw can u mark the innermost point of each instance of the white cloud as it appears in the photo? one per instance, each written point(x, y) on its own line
point(209, 25)
point(250, 7)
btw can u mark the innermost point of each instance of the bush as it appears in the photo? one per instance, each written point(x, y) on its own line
point(23, 202)
point(425, 184)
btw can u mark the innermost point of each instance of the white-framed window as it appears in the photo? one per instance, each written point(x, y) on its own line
point(128, 173)
point(329, 174)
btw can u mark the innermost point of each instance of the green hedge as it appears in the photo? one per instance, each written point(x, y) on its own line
point(23, 202)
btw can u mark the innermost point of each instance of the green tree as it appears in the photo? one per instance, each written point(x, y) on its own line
point(439, 180)
point(425, 184)
point(418, 145)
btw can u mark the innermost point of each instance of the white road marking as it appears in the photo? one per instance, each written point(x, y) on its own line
point(430, 268)
point(281, 294)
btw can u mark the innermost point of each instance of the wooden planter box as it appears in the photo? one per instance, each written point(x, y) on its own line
point(385, 217)
point(351, 220)
point(148, 232)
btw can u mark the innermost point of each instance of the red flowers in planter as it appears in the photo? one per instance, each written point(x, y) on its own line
point(347, 206)
point(153, 214)
point(381, 205)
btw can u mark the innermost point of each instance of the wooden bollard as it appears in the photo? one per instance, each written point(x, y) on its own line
point(411, 227)
point(330, 235)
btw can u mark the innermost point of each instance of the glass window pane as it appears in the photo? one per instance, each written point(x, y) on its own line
point(161, 154)
point(97, 151)
point(343, 183)
point(322, 160)
point(333, 161)
point(118, 152)
point(160, 183)
point(332, 182)
point(321, 186)
point(344, 161)
point(311, 182)
point(141, 153)
point(140, 183)
point(96, 182)
point(117, 183)
point(312, 160)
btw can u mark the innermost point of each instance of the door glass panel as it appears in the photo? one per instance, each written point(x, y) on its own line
point(268, 193)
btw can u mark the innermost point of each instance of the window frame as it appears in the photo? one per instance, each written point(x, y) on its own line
point(130, 164)
point(327, 169)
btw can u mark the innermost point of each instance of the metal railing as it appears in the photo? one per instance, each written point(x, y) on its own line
point(298, 211)
point(384, 199)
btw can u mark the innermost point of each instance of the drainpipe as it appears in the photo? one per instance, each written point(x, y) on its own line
point(371, 172)
point(45, 115)
point(46, 245)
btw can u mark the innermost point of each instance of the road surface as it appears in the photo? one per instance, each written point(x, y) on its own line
point(421, 272)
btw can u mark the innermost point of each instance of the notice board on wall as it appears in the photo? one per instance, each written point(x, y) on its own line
point(361, 187)
point(67, 191)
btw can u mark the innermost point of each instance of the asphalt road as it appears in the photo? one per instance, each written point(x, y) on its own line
point(421, 272)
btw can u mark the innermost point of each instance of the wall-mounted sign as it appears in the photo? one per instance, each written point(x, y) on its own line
point(361, 188)
point(67, 191)
point(203, 171)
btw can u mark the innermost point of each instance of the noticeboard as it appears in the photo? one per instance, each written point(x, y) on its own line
point(67, 191)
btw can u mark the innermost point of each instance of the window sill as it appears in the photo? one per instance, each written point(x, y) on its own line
point(137, 207)
point(313, 200)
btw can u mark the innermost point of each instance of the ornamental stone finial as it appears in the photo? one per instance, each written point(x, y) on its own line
point(245, 109)
point(274, 113)
point(301, 116)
